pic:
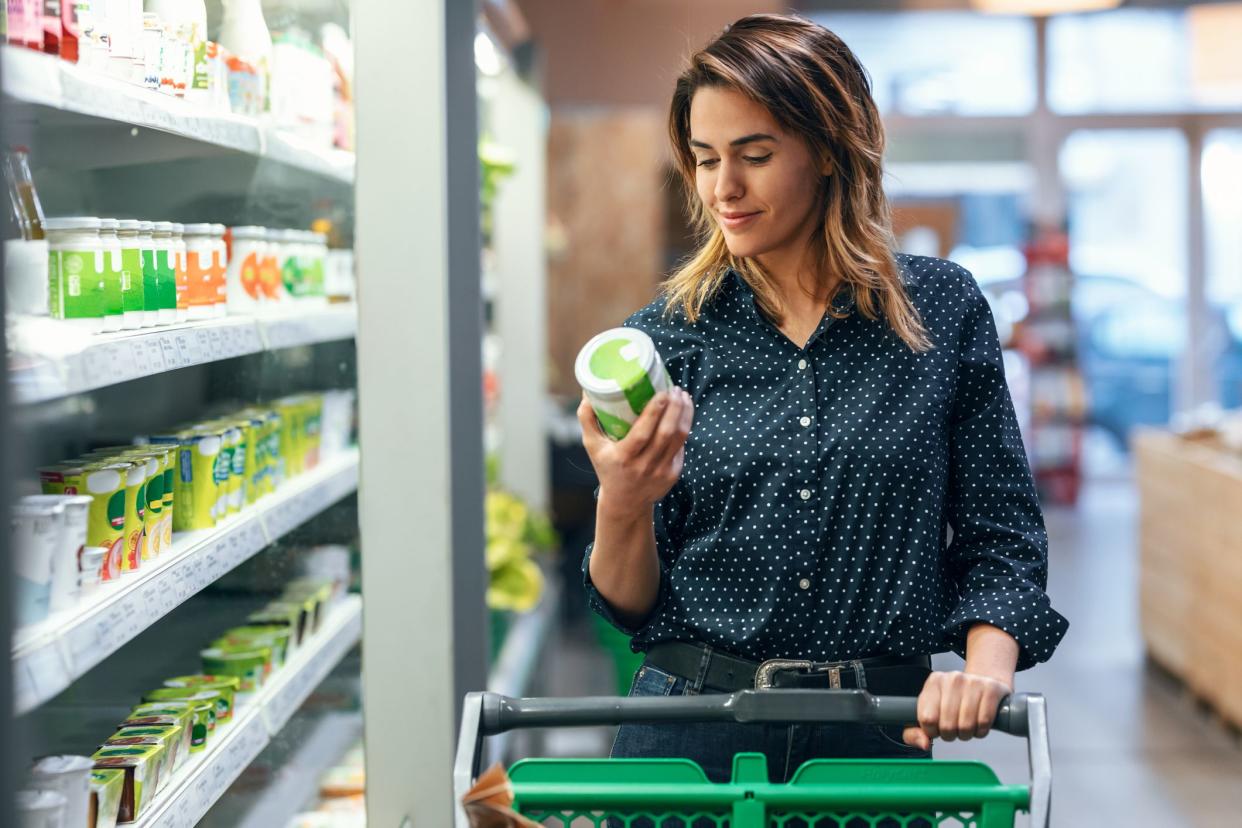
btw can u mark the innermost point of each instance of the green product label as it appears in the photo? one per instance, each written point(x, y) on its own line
point(150, 281)
point(155, 493)
point(198, 733)
point(613, 426)
point(314, 278)
point(132, 284)
point(291, 275)
point(202, 80)
point(141, 502)
point(239, 459)
point(223, 467)
point(166, 280)
point(76, 285)
point(608, 363)
point(116, 510)
point(169, 481)
point(113, 290)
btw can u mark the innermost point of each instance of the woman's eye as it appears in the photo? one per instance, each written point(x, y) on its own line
point(757, 159)
point(708, 162)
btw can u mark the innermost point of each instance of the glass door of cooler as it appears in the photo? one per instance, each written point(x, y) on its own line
point(180, 445)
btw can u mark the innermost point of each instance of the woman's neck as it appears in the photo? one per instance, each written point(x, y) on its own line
point(802, 289)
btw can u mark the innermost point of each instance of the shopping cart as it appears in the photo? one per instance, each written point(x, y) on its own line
point(823, 793)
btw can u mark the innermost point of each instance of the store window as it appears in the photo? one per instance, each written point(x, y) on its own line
point(1222, 213)
point(1128, 251)
point(943, 63)
point(1145, 60)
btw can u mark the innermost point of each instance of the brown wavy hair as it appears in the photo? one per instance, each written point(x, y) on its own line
point(814, 87)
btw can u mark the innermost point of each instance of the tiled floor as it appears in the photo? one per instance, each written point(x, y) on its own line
point(1129, 748)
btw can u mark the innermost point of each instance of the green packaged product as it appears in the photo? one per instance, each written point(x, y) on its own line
point(169, 742)
point(250, 663)
point(202, 721)
point(107, 786)
point(226, 686)
point(176, 738)
point(105, 527)
point(277, 638)
point(142, 765)
point(287, 615)
point(211, 698)
point(198, 486)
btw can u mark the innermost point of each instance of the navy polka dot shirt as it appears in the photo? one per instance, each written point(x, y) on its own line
point(848, 498)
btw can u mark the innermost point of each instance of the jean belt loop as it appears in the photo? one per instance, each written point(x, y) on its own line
point(860, 674)
point(697, 685)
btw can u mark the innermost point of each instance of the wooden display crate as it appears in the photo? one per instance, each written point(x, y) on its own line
point(1190, 575)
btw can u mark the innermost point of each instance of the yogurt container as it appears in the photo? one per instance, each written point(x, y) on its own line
point(105, 525)
point(219, 275)
point(36, 537)
point(181, 267)
point(141, 766)
point(67, 557)
point(75, 271)
point(249, 663)
point(114, 285)
point(201, 261)
point(245, 292)
point(175, 738)
point(226, 686)
point(620, 371)
point(104, 805)
point(41, 809)
point(69, 776)
point(209, 701)
point(165, 256)
point(275, 638)
point(150, 277)
point(133, 286)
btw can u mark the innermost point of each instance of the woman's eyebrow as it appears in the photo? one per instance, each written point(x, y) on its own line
point(745, 139)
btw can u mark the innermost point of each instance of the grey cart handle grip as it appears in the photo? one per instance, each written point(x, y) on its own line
point(487, 714)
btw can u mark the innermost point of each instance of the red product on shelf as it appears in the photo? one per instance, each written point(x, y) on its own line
point(69, 31)
point(52, 26)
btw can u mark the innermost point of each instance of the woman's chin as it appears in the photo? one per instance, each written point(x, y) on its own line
point(743, 248)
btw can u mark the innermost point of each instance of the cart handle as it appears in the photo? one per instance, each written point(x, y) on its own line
point(487, 714)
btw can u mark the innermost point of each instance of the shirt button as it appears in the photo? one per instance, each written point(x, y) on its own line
point(805, 494)
point(802, 365)
point(806, 421)
point(805, 583)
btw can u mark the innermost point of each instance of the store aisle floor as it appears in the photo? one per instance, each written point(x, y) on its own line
point(1129, 747)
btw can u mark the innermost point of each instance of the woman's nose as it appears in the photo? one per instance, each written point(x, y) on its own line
point(729, 185)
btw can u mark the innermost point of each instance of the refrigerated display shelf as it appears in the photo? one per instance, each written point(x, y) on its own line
point(85, 362)
point(206, 776)
point(44, 80)
point(50, 655)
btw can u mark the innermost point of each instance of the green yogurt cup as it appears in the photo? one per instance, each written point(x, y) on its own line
point(226, 686)
point(249, 665)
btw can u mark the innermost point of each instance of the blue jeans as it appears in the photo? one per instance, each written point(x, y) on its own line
point(713, 744)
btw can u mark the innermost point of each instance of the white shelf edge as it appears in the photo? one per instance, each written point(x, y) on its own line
point(101, 360)
point(45, 80)
point(49, 656)
point(207, 776)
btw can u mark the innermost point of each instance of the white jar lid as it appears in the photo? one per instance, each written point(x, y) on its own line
point(199, 229)
point(177, 227)
point(71, 223)
point(636, 348)
point(217, 229)
point(128, 224)
point(250, 231)
point(146, 226)
point(162, 226)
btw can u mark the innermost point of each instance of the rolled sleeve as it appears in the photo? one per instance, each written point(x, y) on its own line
point(998, 555)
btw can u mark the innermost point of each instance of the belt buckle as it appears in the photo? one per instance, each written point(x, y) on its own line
point(834, 674)
point(767, 671)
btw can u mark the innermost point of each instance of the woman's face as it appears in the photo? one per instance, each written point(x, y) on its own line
point(757, 181)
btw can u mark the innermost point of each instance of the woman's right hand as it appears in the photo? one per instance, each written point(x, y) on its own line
point(639, 469)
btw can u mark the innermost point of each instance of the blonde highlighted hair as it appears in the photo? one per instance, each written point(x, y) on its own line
point(814, 87)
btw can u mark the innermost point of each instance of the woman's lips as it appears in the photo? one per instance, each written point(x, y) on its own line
point(737, 221)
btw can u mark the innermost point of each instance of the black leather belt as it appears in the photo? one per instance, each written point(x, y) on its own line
point(723, 672)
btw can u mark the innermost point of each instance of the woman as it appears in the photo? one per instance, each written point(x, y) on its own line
point(839, 477)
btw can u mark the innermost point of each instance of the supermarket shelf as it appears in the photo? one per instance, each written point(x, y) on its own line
point(44, 80)
point(206, 777)
point(50, 655)
point(84, 362)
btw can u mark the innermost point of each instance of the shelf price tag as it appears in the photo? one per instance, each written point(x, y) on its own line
point(155, 356)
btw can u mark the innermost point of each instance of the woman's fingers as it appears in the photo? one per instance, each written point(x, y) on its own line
point(916, 738)
point(643, 431)
point(673, 432)
point(929, 707)
point(591, 432)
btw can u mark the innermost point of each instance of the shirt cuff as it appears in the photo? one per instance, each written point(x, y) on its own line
point(1026, 615)
point(599, 605)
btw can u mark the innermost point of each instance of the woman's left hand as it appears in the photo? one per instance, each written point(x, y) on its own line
point(956, 705)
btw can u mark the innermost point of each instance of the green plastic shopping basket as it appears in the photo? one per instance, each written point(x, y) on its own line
point(823, 793)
